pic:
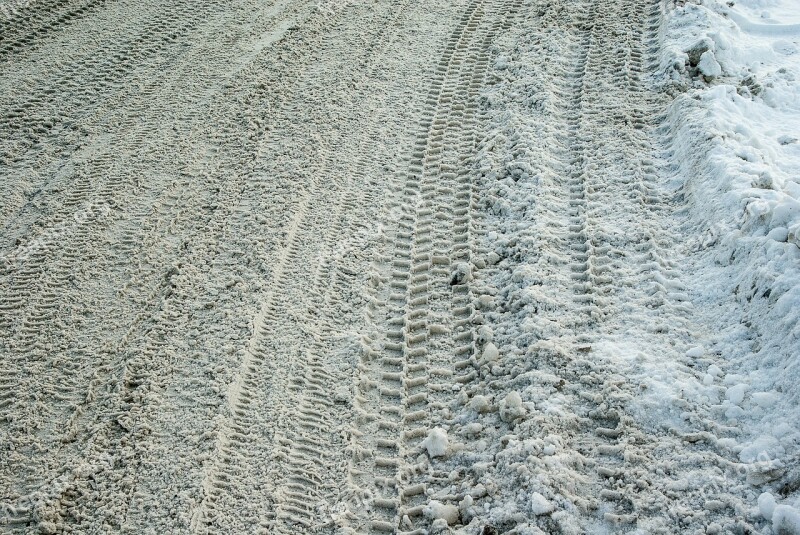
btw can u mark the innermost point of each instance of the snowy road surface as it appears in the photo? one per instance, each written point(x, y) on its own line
point(367, 266)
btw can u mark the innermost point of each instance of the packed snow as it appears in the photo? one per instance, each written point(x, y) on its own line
point(343, 267)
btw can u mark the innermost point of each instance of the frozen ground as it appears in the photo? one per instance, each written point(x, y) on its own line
point(349, 266)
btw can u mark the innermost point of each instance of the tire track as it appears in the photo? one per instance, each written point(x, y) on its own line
point(655, 289)
point(398, 402)
point(595, 262)
point(111, 362)
point(615, 261)
point(448, 310)
point(58, 108)
point(625, 243)
point(300, 475)
point(32, 120)
point(585, 262)
point(156, 338)
point(105, 185)
point(308, 487)
point(26, 25)
point(387, 387)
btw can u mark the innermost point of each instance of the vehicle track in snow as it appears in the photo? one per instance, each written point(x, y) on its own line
point(26, 22)
point(301, 324)
point(260, 258)
point(89, 375)
point(592, 268)
point(299, 404)
point(421, 311)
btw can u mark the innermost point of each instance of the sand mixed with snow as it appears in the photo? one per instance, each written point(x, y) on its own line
point(346, 266)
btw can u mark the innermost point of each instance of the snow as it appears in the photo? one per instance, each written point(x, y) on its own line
point(540, 505)
point(786, 519)
point(436, 442)
point(480, 404)
point(765, 400)
point(735, 394)
point(563, 297)
point(511, 407)
point(734, 123)
point(490, 353)
point(766, 505)
point(695, 352)
point(708, 65)
point(461, 274)
point(440, 511)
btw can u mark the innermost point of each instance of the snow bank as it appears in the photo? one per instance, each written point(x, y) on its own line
point(733, 132)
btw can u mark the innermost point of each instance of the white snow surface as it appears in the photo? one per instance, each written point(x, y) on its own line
point(436, 442)
point(736, 139)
